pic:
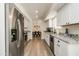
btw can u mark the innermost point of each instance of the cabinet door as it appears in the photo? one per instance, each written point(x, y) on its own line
point(69, 14)
point(63, 48)
point(63, 16)
point(74, 13)
point(59, 18)
point(56, 47)
point(66, 15)
point(47, 39)
point(60, 47)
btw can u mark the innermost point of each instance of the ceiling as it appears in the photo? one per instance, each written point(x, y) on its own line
point(31, 9)
point(39, 10)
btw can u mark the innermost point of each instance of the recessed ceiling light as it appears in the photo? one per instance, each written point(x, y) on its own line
point(36, 11)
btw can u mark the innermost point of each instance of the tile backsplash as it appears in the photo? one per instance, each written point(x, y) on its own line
point(73, 29)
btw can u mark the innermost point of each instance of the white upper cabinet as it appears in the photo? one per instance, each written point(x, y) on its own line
point(62, 16)
point(74, 13)
point(69, 14)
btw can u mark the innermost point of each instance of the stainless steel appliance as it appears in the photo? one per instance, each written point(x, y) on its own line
point(17, 31)
point(52, 44)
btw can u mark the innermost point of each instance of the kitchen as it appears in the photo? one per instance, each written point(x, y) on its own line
point(66, 38)
point(60, 30)
point(55, 23)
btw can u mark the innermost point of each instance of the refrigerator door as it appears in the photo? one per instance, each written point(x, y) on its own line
point(20, 35)
point(13, 40)
point(17, 45)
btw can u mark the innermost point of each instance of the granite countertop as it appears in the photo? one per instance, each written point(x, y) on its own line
point(67, 39)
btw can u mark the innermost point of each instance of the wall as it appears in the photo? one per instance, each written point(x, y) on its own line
point(54, 22)
point(28, 27)
point(2, 29)
point(73, 29)
point(50, 23)
point(42, 25)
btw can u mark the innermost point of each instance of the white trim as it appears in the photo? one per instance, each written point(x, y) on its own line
point(2, 29)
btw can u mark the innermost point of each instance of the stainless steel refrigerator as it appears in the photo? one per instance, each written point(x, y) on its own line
point(17, 34)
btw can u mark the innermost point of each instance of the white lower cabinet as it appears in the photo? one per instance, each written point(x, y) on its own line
point(60, 47)
point(47, 38)
point(56, 47)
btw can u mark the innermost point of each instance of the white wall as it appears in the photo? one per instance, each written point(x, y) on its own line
point(28, 25)
point(2, 29)
point(42, 25)
point(73, 29)
point(50, 23)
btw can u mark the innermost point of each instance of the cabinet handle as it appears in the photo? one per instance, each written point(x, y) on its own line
point(58, 45)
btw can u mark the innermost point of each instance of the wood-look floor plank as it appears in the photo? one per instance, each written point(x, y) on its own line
point(37, 47)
